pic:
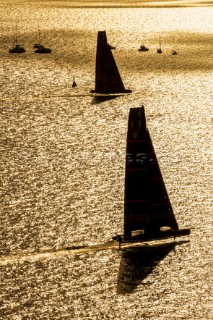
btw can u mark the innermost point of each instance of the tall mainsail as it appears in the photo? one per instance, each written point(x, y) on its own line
point(147, 206)
point(107, 76)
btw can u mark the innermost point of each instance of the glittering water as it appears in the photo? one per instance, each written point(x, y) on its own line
point(63, 156)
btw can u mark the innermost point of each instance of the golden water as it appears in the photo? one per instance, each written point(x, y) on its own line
point(63, 156)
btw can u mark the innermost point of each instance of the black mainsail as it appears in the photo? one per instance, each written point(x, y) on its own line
point(148, 213)
point(107, 76)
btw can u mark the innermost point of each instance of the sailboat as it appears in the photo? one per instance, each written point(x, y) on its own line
point(143, 48)
point(40, 48)
point(148, 213)
point(74, 84)
point(159, 50)
point(17, 48)
point(107, 77)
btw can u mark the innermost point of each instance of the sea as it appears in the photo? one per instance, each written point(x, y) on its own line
point(63, 160)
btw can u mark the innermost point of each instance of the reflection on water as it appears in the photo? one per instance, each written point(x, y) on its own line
point(137, 262)
point(100, 99)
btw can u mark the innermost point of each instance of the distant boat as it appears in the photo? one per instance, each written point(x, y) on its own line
point(174, 52)
point(17, 48)
point(74, 84)
point(143, 48)
point(112, 47)
point(148, 214)
point(107, 77)
point(159, 50)
point(40, 48)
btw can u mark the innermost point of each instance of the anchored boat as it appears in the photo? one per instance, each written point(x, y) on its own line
point(148, 214)
point(40, 48)
point(17, 48)
point(107, 77)
point(159, 50)
point(143, 48)
point(74, 84)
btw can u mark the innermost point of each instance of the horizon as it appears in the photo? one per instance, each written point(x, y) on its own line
point(119, 3)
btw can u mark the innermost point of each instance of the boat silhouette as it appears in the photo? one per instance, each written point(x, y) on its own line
point(143, 48)
point(174, 52)
point(17, 48)
point(74, 84)
point(148, 214)
point(42, 49)
point(159, 50)
point(107, 77)
point(39, 47)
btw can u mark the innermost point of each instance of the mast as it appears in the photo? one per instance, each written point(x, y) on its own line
point(107, 76)
point(147, 207)
point(17, 48)
point(39, 34)
point(159, 50)
point(16, 35)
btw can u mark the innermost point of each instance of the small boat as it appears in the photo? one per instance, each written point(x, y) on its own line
point(148, 213)
point(107, 77)
point(159, 50)
point(74, 84)
point(17, 48)
point(40, 48)
point(112, 47)
point(174, 52)
point(143, 48)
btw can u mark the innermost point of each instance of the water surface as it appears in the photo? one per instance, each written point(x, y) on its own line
point(63, 157)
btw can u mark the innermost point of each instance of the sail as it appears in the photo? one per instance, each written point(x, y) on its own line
point(107, 76)
point(147, 206)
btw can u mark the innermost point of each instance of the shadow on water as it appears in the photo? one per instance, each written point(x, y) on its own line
point(137, 262)
point(100, 99)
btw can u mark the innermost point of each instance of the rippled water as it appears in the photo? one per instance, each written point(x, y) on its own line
point(63, 156)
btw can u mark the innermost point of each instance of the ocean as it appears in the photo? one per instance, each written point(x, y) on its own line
point(63, 160)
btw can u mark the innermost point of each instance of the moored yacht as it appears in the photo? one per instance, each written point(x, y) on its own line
point(17, 49)
point(41, 49)
point(143, 48)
